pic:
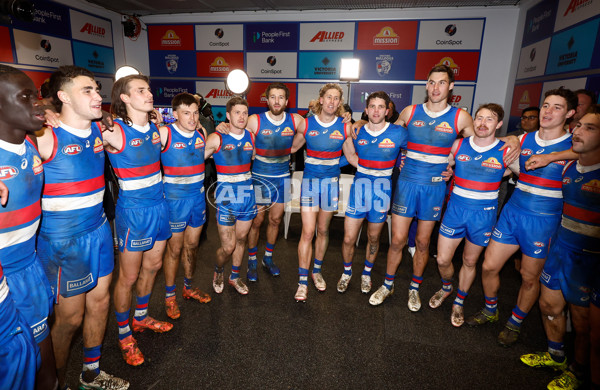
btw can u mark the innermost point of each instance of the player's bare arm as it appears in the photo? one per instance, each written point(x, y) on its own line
point(113, 140)
point(350, 151)
point(299, 140)
point(541, 160)
point(212, 144)
point(45, 143)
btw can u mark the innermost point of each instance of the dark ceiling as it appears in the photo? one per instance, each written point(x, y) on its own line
point(153, 7)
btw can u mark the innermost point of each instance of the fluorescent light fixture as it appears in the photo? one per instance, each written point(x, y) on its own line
point(237, 82)
point(125, 70)
point(350, 69)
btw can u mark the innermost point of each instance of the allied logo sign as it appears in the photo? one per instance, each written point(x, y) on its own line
point(571, 12)
point(214, 92)
point(326, 36)
point(91, 29)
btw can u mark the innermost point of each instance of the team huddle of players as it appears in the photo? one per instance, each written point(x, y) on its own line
point(554, 213)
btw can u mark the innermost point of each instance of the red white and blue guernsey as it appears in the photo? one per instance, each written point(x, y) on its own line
point(74, 184)
point(22, 171)
point(540, 191)
point(478, 174)
point(323, 147)
point(430, 139)
point(137, 166)
point(370, 195)
point(580, 225)
point(183, 164)
point(273, 146)
point(234, 193)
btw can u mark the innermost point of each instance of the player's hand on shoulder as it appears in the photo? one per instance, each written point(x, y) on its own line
point(514, 149)
point(52, 118)
point(223, 128)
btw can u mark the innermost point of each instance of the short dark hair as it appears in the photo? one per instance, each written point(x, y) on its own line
point(532, 108)
point(493, 107)
point(378, 95)
point(184, 98)
point(593, 109)
point(566, 94)
point(587, 92)
point(234, 101)
point(64, 75)
point(277, 86)
point(442, 69)
point(6, 71)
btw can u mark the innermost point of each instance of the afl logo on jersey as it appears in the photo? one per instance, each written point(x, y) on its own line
point(539, 244)
point(8, 172)
point(313, 133)
point(418, 123)
point(72, 149)
point(266, 132)
point(98, 145)
point(155, 138)
point(287, 132)
point(199, 143)
point(567, 180)
point(136, 142)
point(526, 152)
point(444, 127)
point(37, 165)
point(179, 145)
point(229, 147)
point(561, 162)
point(248, 146)
point(363, 142)
point(463, 157)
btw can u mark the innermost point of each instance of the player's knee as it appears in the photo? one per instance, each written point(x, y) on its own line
point(258, 220)
point(128, 278)
point(488, 268)
point(322, 231)
point(549, 307)
point(373, 238)
point(422, 244)
point(468, 261)
point(349, 240)
point(529, 279)
point(70, 322)
point(398, 242)
point(228, 248)
point(275, 220)
point(443, 261)
point(175, 250)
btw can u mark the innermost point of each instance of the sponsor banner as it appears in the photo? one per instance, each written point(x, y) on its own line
point(171, 37)
point(105, 84)
point(173, 63)
point(572, 84)
point(464, 64)
point(387, 65)
point(37, 77)
point(165, 90)
point(400, 94)
point(539, 22)
point(256, 96)
point(42, 50)
point(91, 29)
point(571, 12)
point(450, 34)
point(327, 36)
point(219, 113)
point(525, 95)
point(572, 49)
point(533, 59)
point(393, 35)
point(6, 53)
point(218, 64)
point(593, 85)
point(462, 97)
point(50, 18)
point(321, 65)
point(214, 92)
point(272, 65)
point(310, 91)
point(95, 58)
point(223, 37)
point(272, 36)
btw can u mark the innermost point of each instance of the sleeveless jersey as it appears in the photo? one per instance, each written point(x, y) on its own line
point(478, 173)
point(323, 147)
point(580, 225)
point(377, 155)
point(429, 144)
point(233, 159)
point(72, 200)
point(183, 164)
point(540, 191)
point(19, 219)
point(273, 146)
point(137, 166)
